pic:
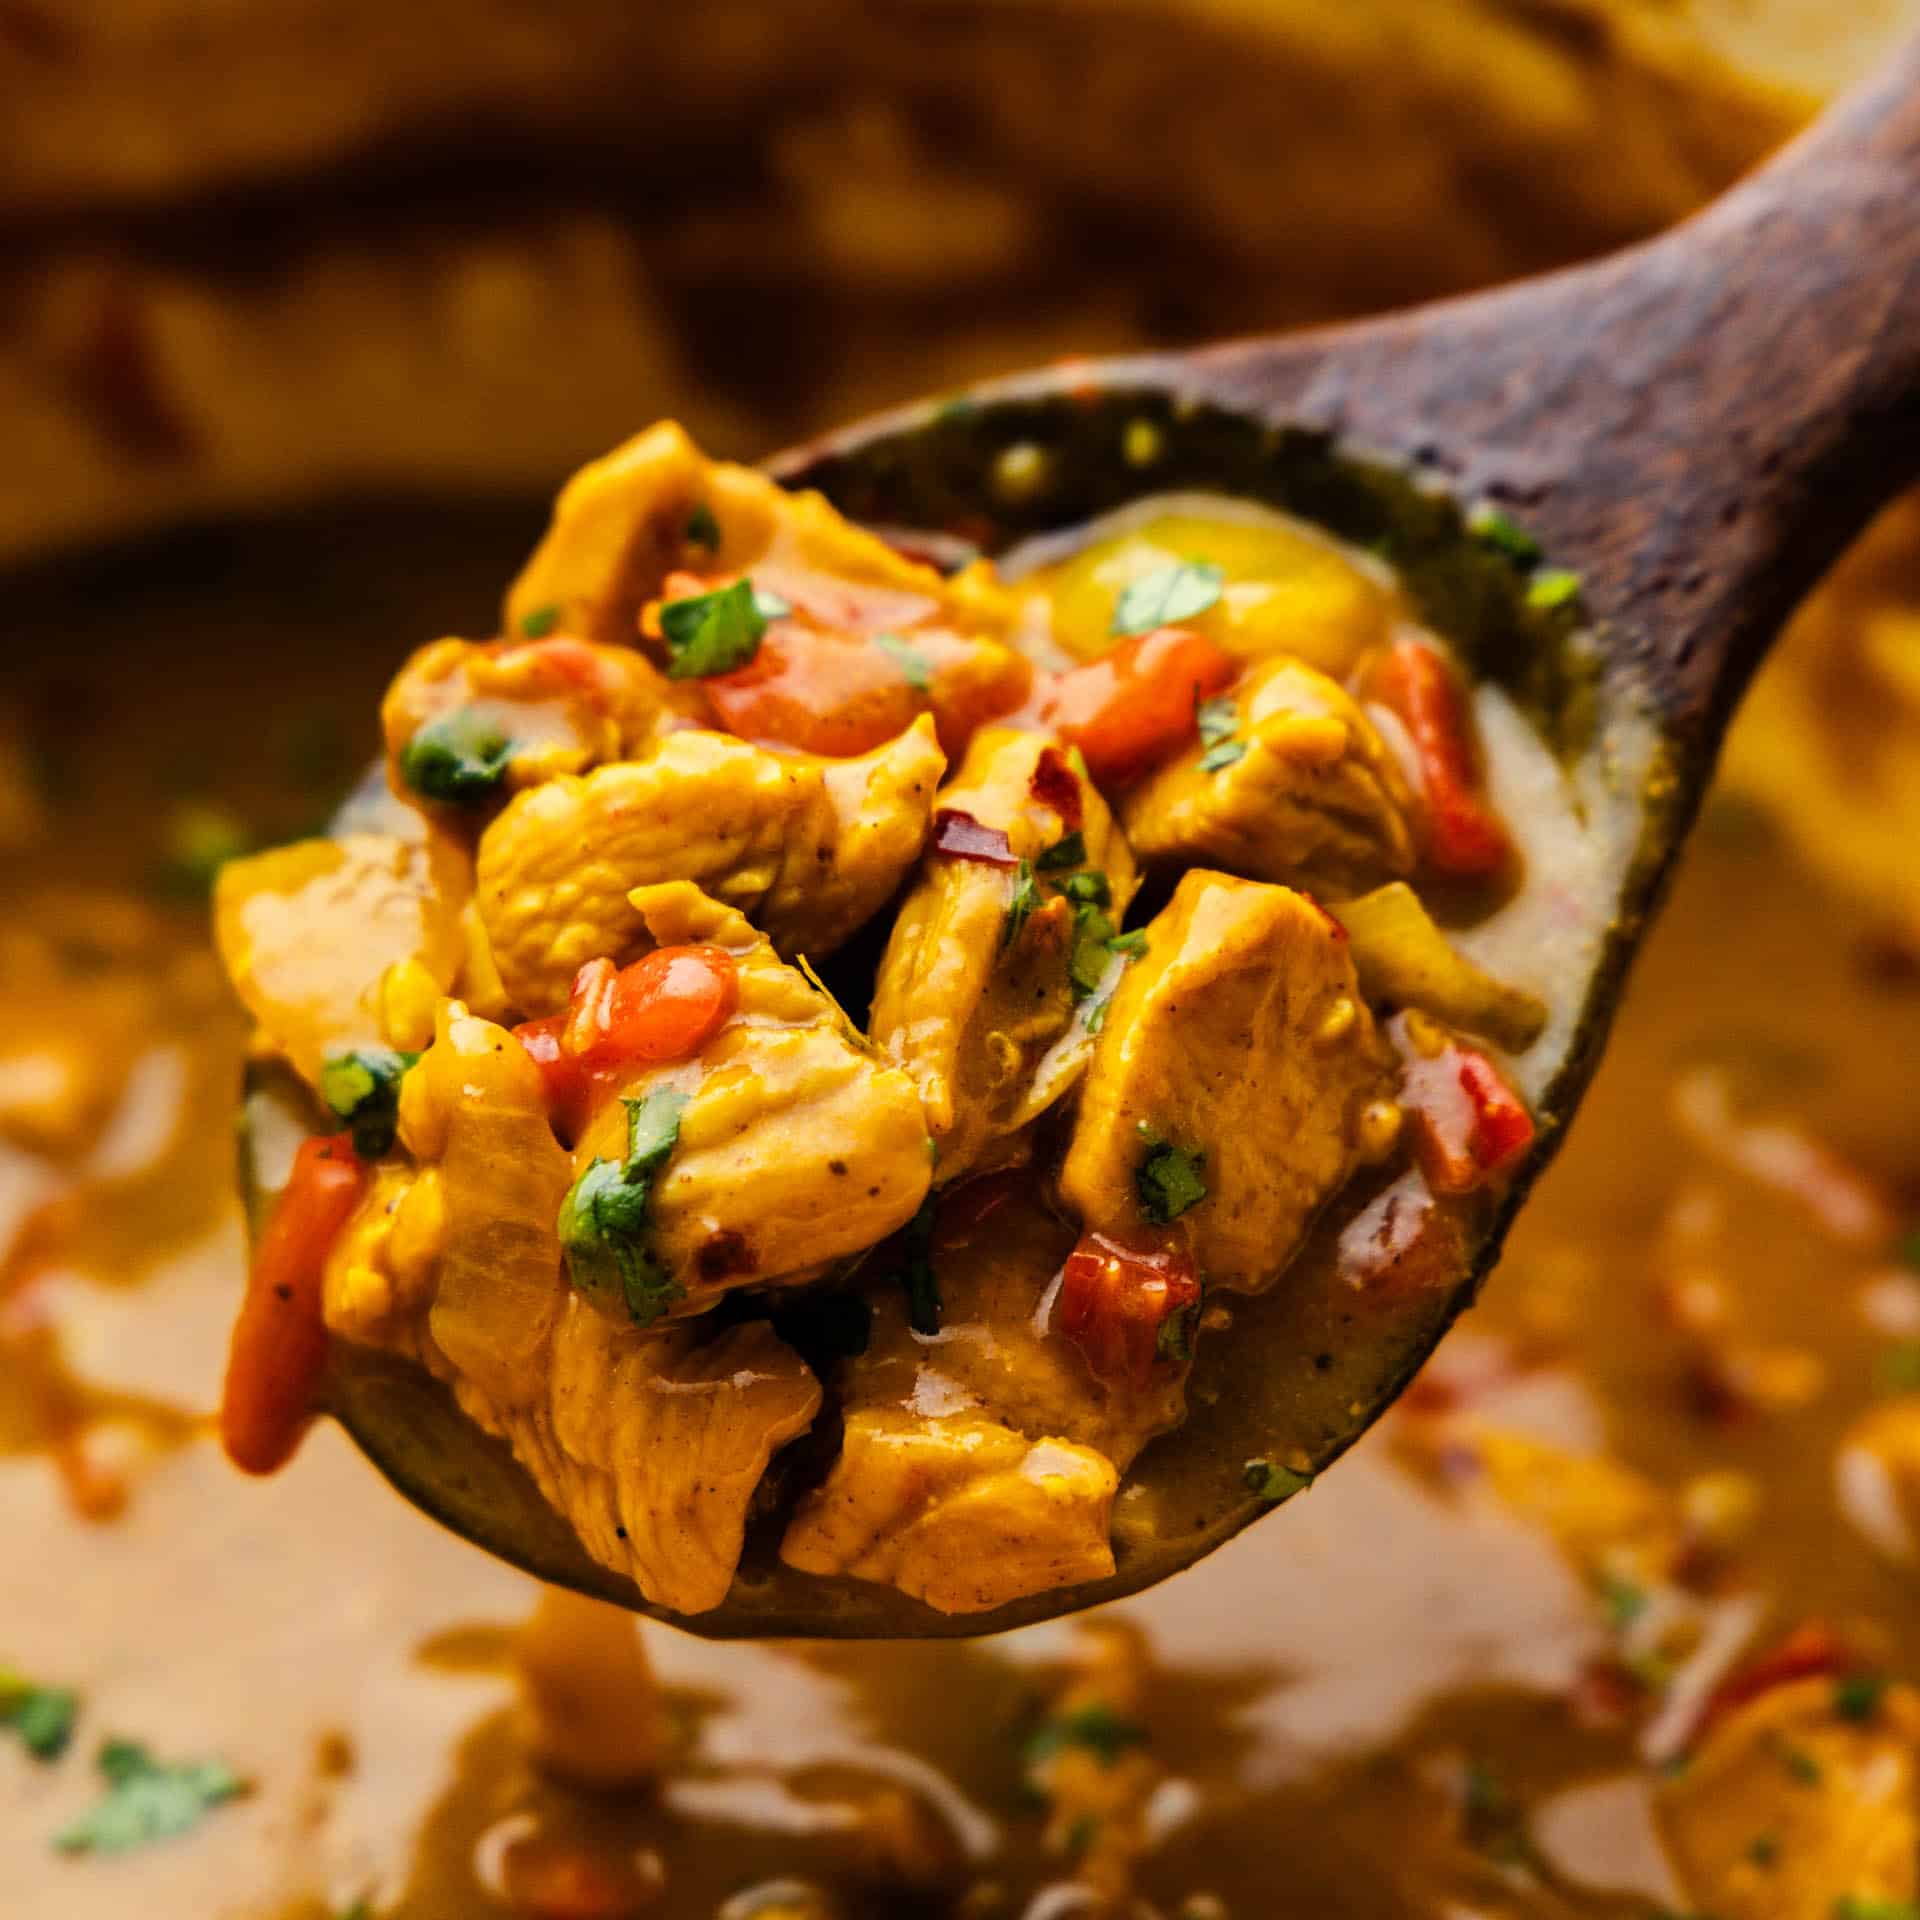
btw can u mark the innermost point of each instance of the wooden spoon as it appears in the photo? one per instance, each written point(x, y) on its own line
point(1695, 427)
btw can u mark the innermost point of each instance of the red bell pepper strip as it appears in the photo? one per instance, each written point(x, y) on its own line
point(280, 1337)
point(1464, 836)
point(1134, 707)
point(1468, 1125)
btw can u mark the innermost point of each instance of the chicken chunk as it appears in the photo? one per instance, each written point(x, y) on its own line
point(987, 988)
point(656, 508)
point(309, 934)
point(1302, 790)
point(468, 723)
point(1225, 1097)
point(795, 1147)
point(1792, 1809)
point(807, 848)
point(956, 1510)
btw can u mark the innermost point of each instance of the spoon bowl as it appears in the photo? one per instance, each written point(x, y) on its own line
point(1623, 413)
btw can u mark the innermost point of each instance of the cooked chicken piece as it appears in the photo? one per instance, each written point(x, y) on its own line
point(624, 522)
point(310, 932)
point(977, 996)
point(1793, 1809)
point(474, 1110)
point(994, 1252)
point(1303, 790)
point(956, 1510)
point(795, 1146)
point(467, 722)
point(807, 848)
point(654, 1445)
point(1229, 1089)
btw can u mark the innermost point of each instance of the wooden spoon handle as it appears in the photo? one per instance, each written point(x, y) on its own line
point(1699, 424)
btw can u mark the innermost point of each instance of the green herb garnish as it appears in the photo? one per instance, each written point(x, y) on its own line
point(147, 1800)
point(709, 633)
point(607, 1212)
point(1174, 1341)
point(1217, 719)
point(1131, 944)
point(1088, 888)
point(1553, 587)
point(1090, 956)
point(1224, 755)
point(1857, 1696)
point(1167, 1182)
point(1624, 1601)
point(42, 1717)
point(917, 1276)
point(703, 530)
point(460, 760)
point(1070, 850)
point(362, 1091)
point(1167, 596)
point(1274, 1483)
point(1095, 1728)
point(1802, 1766)
point(914, 664)
point(1856, 1906)
point(541, 621)
point(1026, 897)
point(1487, 523)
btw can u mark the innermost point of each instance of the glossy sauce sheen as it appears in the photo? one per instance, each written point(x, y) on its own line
point(1316, 1693)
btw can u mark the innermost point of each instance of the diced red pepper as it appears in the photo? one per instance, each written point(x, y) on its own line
point(961, 837)
point(1811, 1650)
point(1469, 1126)
point(279, 1346)
point(1134, 707)
point(1117, 1303)
point(663, 1007)
point(1464, 836)
point(827, 693)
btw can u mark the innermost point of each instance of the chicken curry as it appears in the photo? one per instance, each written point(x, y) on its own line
point(1612, 1618)
point(818, 1043)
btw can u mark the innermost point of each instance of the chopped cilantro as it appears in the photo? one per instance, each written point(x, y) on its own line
point(362, 1090)
point(1088, 888)
point(1089, 959)
point(608, 1209)
point(540, 622)
point(1857, 1696)
point(459, 760)
point(1224, 755)
point(1488, 524)
point(1174, 1341)
point(146, 1800)
point(1218, 719)
point(1131, 944)
point(1801, 1765)
point(1167, 1182)
point(917, 1276)
point(1553, 587)
point(703, 530)
point(1856, 1906)
point(1096, 1728)
point(42, 1717)
point(910, 660)
point(1274, 1483)
point(1026, 896)
point(1167, 596)
point(715, 632)
point(1093, 1015)
point(1070, 850)
point(1623, 1600)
